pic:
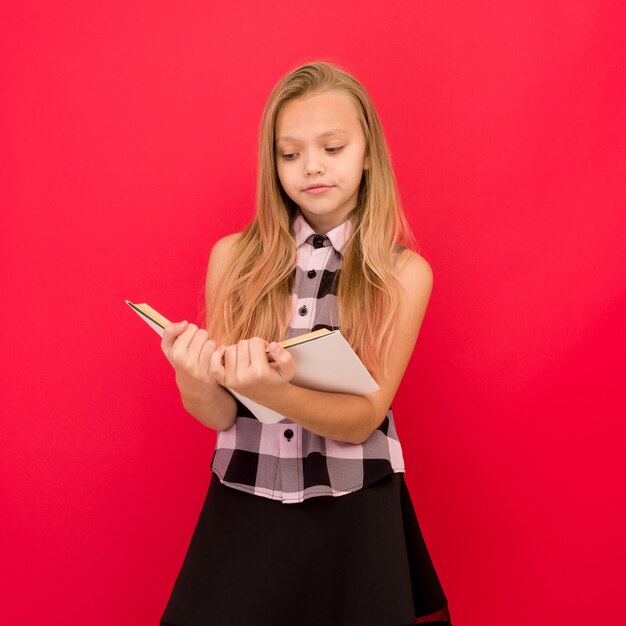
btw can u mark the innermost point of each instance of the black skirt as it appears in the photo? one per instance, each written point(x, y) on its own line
point(353, 560)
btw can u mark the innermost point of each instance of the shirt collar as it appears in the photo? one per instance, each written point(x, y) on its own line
point(338, 236)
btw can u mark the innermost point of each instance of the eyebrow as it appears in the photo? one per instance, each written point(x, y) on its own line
point(334, 131)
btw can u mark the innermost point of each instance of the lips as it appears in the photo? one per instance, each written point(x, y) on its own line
point(317, 191)
point(317, 186)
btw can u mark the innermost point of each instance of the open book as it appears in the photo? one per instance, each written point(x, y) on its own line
point(324, 361)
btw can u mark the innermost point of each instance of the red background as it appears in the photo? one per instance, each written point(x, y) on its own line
point(129, 148)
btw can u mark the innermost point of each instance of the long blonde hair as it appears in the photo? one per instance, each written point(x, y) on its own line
point(254, 296)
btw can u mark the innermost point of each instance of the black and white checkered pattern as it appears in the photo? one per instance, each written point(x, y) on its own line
point(285, 461)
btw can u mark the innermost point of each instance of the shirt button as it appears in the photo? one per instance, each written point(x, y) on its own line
point(303, 310)
point(288, 434)
point(311, 273)
point(318, 241)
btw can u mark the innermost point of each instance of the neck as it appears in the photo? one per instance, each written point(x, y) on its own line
point(322, 224)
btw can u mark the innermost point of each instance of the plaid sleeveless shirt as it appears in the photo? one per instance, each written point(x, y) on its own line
point(285, 461)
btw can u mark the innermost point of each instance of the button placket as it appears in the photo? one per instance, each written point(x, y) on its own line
point(318, 258)
point(313, 274)
point(289, 446)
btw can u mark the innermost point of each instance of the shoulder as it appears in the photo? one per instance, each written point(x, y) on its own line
point(416, 279)
point(218, 259)
point(222, 246)
point(414, 272)
point(221, 249)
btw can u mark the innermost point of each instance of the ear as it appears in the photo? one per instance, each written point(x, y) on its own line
point(366, 163)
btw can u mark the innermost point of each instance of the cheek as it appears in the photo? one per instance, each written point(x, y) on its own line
point(352, 175)
point(286, 181)
point(281, 176)
point(280, 169)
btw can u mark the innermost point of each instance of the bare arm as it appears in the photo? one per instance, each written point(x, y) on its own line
point(216, 409)
point(341, 416)
point(193, 355)
point(347, 417)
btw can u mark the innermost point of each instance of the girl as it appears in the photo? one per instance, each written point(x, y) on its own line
point(307, 521)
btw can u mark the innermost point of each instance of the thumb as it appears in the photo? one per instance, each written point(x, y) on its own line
point(284, 363)
point(279, 354)
point(170, 332)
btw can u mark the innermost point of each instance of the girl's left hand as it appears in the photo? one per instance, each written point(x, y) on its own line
point(248, 371)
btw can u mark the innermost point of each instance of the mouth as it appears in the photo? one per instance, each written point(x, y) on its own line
point(317, 186)
point(317, 189)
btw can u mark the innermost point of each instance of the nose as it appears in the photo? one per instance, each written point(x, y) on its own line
point(313, 163)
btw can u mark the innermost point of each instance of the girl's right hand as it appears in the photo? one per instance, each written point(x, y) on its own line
point(194, 357)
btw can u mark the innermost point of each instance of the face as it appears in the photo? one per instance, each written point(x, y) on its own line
point(319, 141)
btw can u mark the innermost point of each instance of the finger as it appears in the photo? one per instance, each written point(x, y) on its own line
point(184, 339)
point(258, 357)
point(278, 352)
point(230, 363)
point(284, 360)
point(170, 333)
point(273, 348)
point(205, 352)
point(243, 355)
point(198, 343)
point(216, 367)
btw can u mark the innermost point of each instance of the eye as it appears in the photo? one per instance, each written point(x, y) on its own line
point(292, 155)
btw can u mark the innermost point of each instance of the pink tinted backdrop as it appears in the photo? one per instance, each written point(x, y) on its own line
point(129, 148)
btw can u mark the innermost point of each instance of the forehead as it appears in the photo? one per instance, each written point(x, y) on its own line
point(319, 116)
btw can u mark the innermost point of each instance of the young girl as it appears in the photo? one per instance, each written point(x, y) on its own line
point(307, 522)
